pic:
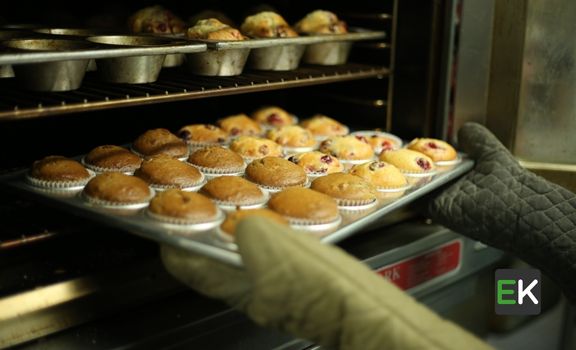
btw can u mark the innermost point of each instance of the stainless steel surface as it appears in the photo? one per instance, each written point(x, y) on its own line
point(82, 32)
point(131, 70)
point(218, 62)
point(49, 76)
point(207, 242)
point(327, 54)
point(174, 60)
point(278, 58)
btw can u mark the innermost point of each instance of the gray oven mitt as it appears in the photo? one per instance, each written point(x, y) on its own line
point(510, 208)
point(294, 283)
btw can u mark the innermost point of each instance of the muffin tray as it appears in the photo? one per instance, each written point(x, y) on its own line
point(205, 240)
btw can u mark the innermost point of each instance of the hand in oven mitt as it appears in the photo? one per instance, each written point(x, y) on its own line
point(296, 284)
point(504, 205)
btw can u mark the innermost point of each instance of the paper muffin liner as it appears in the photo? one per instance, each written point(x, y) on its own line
point(355, 204)
point(392, 192)
point(100, 170)
point(117, 205)
point(182, 158)
point(224, 240)
point(416, 179)
point(295, 150)
point(190, 188)
point(349, 163)
point(275, 189)
point(230, 206)
point(215, 172)
point(266, 127)
point(194, 146)
point(445, 165)
point(321, 138)
point(186, 224)
point(313, 225)
point(59, 186)
point(399, 143)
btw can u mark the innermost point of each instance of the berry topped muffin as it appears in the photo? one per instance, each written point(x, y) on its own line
point(213, 29)
point(110, 158)
point(347, 148)
point(273, 116)
point(408, 161)
point(321, 22)
point(380, 174)
point(163, 172)
point(437, 150)
point(292, 136)
point(156, 19)
point(240, 125)
point(275, 173)
point(346, 189)
point(267, 25)
point(255, 147)
point(160, 141)
point(233, 218)
point(323, 126)
point(197, 135)
point(317, 163)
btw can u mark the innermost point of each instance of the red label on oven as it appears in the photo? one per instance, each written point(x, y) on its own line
point(424, 267)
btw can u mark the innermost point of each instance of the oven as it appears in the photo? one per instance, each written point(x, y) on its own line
point(68, 282)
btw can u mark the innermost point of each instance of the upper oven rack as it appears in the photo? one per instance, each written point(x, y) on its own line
point(16, 104)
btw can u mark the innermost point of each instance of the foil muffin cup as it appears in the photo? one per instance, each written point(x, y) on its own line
point(277, 58)
point(218, 62)
point(185, 224)
point(100, 170)
point(96, 202)
point(58, 186)
point(355, 204)
point(327, 54)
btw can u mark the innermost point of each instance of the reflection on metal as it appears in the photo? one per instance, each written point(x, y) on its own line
point(26, 240)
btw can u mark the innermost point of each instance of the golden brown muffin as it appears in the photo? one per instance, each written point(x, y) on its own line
point(206, 14)
point(380, 174)
point(165, 172)
point(255, 147)
point(233, 218)
point(156, 19)
point(437, 150)
point(160, 141)
point(408, 161)
point(213, 29)
point(291, 136)
point(347, 189)
point(111, 158)
point(217, 160)
point(118, 188)
point(347, 148)
point(203, 134)
point(240, 125)
point(233, 190)
point(275, 172)
point(59, 169)
point(184, 206)
point(304, 204)
point(317, 163)
point(273, 116)
point(267, 25)
point(321, 22)
point(321, 125)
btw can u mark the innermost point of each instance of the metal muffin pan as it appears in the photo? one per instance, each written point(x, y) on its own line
point(6, 70)
point(207, 242)
point(218, 62)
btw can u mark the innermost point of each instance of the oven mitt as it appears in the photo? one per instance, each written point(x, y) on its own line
point(294, 283)
point(510, 208)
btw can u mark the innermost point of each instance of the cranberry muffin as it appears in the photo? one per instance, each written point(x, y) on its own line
point(303, 206)
point(317, 163)
point(233, 219)
point(322, 126)
point(203, 135)
point(213, 29)
point(346, 189)
point(240, 125)
point(267, 25)
point(437, 150)
point(117, 189)
point(58, 172)
point(380, 174)
point(321, 22)
point(347, 148)
point(234, 191)
point(251, 147)
point(111, 158)
point(163, 172)
point(408, 161)
point(182, 207)
point(275, 173)
point(160, 141)
point(217, 161)
point(157, 20)
point(273, 116)
point(292, 136)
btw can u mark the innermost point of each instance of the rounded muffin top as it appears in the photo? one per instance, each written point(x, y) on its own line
point(275, 172)
point(233, 219)
point(204, 133)
point(344, 186)
point(156, 19)
point(240, 125)
point(233, 190)
point(267, 24)
point(213, 29)
point(112, 158)
point(59, 168)
point(321, 125)
point(292, 136)
point(317, 163)
point(305, 204)
point(178, 204)
point(255, 147)
point(118, 188)
point(380, 174)
point(160, 141)
point(408, 161)
point(217, 158)
point(347, 148)
point(321, 22)
point(437, 150)
point(170, 172)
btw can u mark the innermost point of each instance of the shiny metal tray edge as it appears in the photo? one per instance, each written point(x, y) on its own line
point(206, 242)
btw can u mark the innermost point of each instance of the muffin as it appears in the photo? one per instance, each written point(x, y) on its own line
point(317, 163)
point(163, 172)
point(213, 29)
point(381, 142)
point(437, 150)
point(55, 172)
point(240, 125)
point(111, 158)
point(348, 190)
point(273, 116)
point(322, 126)
point(304, 207)
point(206, 14)
point(347, 148)
point(217, 161)
point(233, 218)
point(254, 147)
point(408, 161)
point(292, 136)
point(203, 135)
point(380, 174)
point(181, 207)
point(275, 173)
point(234, 191)
point(267, 25)
point(321, 22)
point(160, 141)
point(157, 20)
point(117, 189)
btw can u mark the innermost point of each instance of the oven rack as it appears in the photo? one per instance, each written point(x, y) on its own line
point(173, 85)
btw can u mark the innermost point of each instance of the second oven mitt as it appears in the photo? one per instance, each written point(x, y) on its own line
point(294, 283)
point(510, 208)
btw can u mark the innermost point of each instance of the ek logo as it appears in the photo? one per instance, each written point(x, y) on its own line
point(517, 292)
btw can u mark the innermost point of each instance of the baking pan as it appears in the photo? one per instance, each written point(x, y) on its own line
point(6, 70)
point(218, 62)
point(328, 54)
point(206, 242)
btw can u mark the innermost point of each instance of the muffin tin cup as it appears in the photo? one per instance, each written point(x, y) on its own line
point(398, 143)
point(189, 188)
point(229, 206)
point(96, 202)
point(6, 71)
point(180, 224)
point(313, 225)
point(276, 58)
point(211, 173)
point(218, 63)
point(174, 60)
point(59, 186)
point(327, 54)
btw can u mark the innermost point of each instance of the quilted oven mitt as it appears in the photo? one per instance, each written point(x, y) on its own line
point(504, 205)
point(296, 284)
